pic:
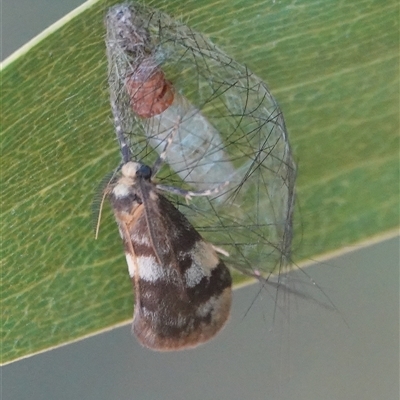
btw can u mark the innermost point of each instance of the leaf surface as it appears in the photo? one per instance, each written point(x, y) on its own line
point(333, 67)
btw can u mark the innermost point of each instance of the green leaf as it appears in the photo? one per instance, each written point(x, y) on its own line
point(333, 66)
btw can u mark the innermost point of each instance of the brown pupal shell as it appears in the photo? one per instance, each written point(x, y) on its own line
point(149, 95)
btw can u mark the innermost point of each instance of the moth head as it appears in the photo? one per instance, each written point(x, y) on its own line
point(124, 187)
point(125, 194)
point(134, 170)
point(129, 169)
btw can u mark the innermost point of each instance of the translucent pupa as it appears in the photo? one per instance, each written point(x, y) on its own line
point(162, 74)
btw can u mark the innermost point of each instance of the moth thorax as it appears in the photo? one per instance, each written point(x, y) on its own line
point(123, 189)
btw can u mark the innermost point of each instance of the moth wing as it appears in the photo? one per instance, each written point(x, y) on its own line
point(183, 291)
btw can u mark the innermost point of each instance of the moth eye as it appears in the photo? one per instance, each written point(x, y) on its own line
point(144, 172)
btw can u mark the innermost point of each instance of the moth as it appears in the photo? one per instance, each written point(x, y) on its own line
point(171, 84)
point(182, 288)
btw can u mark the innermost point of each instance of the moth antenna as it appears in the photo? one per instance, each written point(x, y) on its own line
point(104, 188)
point(99, 216)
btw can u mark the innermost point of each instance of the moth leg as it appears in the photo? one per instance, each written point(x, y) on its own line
point(163, 155)
point(188, 194)
point(220, 250)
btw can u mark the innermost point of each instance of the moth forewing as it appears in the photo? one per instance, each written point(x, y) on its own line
point(182, 288)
